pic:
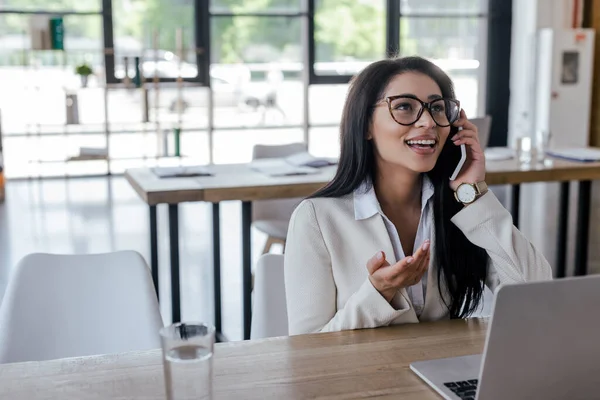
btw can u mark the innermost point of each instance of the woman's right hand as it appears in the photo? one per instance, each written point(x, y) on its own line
point(388, 279)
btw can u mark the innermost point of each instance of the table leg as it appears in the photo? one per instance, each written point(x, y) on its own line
point(174, 243)
point(563, 219)
point(247, 266)
point(216, 228)
point(515, 202)
point(154, 248)
point(583, 227)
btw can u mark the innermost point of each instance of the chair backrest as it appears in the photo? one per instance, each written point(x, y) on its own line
point(280, 150)
point(269, 314)
point(484, 126)
point(59, 306)
point(280, 209)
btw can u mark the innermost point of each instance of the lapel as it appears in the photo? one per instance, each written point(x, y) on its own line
point(376, 225)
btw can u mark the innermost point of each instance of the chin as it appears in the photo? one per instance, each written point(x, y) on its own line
point(422, 167)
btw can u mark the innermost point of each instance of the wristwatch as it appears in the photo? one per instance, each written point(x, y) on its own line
point(467, 193)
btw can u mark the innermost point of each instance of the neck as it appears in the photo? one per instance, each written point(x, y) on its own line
point(398, 187)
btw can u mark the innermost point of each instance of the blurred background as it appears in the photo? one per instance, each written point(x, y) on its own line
point(275, 75)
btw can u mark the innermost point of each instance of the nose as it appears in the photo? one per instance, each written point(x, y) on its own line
point(425, 120)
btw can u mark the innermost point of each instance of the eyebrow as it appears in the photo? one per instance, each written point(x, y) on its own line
point(430, 97)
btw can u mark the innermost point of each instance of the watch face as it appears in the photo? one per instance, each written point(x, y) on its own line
point(466, 193)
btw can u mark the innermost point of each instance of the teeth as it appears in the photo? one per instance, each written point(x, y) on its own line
point(425, 142)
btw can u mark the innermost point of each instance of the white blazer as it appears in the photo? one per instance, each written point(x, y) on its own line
point(326, 279)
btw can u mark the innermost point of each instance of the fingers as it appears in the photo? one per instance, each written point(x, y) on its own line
point(376, 262)
point(422, 255)
point(410, 267)
point(467, 126)
point(469, 141)
point(462, 119)
point(424, 267)
point(466, 133)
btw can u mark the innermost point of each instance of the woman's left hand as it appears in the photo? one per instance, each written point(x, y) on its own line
point(473, 170)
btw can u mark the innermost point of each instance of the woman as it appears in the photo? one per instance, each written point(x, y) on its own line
point(391, 239)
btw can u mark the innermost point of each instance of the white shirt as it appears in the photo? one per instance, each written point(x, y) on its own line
point(366, 205)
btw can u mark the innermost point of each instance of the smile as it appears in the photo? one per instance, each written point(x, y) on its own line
point(422, 146)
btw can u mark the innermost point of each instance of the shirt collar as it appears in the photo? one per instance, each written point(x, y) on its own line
point(366, 204)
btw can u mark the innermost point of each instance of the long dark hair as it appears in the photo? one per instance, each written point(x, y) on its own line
point(462, 265)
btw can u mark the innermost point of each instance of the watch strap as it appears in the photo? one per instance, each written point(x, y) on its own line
point(481, 187)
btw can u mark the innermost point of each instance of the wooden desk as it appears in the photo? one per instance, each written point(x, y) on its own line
point(239, 182)
point(365, 363)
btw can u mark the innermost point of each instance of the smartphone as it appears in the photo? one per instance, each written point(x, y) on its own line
point(461, 162)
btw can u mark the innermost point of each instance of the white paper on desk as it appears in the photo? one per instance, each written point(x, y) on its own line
point(280, 167)
point(576, 153)
point(499, 153)
point(181, 172)
point(305, 159)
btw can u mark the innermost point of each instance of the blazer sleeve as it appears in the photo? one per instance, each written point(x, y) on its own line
point(310, 286)
point(487, 224)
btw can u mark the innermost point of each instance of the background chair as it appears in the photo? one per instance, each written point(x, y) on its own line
point(484, 126)
point(269, 314)
point(273, 216)
point(59, 306)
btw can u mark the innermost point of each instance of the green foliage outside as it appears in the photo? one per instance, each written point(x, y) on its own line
point(344, 29)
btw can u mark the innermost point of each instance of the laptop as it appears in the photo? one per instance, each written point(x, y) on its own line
point(543, 342)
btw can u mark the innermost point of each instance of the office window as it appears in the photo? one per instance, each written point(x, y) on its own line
point(453, 34)
point(256, 71)
point(259, 57)
point(349, 34)
point(256, 76)
point(54, 5)
point(245, 6)
point(160, 33)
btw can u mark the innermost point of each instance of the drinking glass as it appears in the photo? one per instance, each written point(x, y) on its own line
point(188, 360)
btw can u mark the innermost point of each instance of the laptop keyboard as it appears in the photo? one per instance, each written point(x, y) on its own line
point(466, 390)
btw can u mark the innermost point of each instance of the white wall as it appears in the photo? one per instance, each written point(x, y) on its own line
point(529, 16)
point(539, 201)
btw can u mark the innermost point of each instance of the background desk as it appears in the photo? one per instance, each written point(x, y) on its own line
point(240, 182)
point(363, 363)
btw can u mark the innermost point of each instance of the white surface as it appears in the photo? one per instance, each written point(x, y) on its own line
point(527, 17)
point(563, 109)
point(172, 172)
point(577, 153)
point(59, 306)
point(274, 228)
point(499, 153)
point(308, 160)
point(270, 216)
point(269, 314)
point(280, 167)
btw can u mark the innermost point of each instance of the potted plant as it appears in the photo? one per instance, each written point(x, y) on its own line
point(84, 71)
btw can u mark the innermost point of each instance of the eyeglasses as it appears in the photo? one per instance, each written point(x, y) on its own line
point(406, 110)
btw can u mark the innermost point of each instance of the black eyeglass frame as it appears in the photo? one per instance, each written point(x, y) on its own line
point(424, 106)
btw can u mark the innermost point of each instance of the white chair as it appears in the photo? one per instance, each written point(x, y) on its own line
point(59, 306)
point(273, 216)
point(484, 126)
point(269, 314)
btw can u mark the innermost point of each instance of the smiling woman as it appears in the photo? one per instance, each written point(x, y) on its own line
point(386, 241)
